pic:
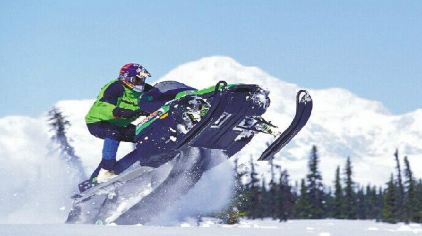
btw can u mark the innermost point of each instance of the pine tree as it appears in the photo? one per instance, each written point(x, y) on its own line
point(253, 193)
point(410, 200)
point(400, 189)
point(338, 197)
point(315, 186)
point(263, 207)
point(59, 125)
point(371, 202)
point(418, 207)
point(274, 193)
point(390, 202)
point(303, 206)
point(361, 207)
point(294, 191)
point(286, 197)
point(349, 194)
point(380, 204)
point(328, 200)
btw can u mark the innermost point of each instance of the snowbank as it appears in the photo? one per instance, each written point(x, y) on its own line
point(209, 228)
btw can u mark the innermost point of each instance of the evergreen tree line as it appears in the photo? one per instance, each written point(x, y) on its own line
point(399, 201)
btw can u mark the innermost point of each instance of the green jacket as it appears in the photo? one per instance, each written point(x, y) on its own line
point(102, 109)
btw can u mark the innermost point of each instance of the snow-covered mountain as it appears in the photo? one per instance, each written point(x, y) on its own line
point(342, 124)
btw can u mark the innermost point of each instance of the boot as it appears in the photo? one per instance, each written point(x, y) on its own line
point(105, 175)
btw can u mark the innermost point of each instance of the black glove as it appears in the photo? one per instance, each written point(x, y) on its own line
point(142, 113)
point(126, 113)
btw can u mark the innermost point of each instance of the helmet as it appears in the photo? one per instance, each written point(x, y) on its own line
point(134, 76)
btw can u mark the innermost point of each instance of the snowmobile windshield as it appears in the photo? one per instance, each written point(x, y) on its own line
point(161, 93)
point(166, 86)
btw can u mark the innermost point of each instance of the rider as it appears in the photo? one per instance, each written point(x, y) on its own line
point(111, 115)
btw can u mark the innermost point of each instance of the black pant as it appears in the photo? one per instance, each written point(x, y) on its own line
point(105, 129)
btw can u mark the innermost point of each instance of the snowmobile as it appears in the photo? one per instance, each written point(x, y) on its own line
point(188, 132)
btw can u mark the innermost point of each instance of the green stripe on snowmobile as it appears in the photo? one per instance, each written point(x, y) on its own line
point(164, 109)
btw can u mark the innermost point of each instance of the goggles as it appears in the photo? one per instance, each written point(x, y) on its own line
point(137, 80)
point(140, 78)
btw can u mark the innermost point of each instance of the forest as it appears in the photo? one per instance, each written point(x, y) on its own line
point(400, 200)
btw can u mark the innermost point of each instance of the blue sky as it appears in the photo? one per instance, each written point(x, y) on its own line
point(55, 50)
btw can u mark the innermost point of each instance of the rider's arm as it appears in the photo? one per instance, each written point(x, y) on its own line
point(113, 93)
point(111, 96)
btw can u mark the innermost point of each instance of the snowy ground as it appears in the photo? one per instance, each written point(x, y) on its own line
point(208, 227)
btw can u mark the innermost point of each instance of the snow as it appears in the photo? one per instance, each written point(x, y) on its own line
point(209, 227)
point(35, 184)
point(210, 194)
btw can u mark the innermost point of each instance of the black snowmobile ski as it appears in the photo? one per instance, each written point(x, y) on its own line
point(303, 112)
point(105, 201)
point(112, 184)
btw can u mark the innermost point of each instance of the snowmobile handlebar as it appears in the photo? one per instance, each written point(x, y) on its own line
point(221, 85)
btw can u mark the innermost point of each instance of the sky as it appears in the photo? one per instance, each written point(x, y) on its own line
point(56, 50)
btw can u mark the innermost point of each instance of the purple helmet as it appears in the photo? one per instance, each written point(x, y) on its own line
point(134, 76)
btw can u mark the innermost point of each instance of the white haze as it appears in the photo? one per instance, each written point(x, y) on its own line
point(212, 193)
point(35, 183)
